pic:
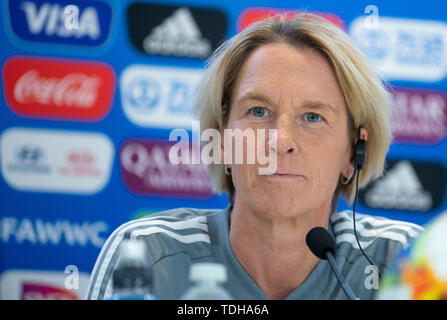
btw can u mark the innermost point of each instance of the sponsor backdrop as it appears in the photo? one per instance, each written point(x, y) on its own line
point(91, 90)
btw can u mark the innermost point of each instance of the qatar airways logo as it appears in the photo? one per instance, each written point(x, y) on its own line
point(147, 170)
point(419, 115)
point(64, 89)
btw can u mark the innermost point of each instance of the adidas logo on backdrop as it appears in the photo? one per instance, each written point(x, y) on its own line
point(178, 35)
point(414, 186)
point(175, 31)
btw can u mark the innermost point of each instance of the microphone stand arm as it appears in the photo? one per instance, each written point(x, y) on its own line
point(347, 289)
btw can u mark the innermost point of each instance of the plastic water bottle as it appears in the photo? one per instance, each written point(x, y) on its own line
point(132, 277)
point(208, 279)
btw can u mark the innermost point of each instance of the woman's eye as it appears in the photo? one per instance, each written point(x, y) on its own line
point(313, 117)
point(258, 111)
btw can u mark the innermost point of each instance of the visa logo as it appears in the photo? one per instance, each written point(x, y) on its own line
point(46, 21)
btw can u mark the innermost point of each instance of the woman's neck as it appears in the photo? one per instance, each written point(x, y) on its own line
point(273, 250)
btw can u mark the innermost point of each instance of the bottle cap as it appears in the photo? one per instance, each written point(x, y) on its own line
point(207, 271)
point(133, 253)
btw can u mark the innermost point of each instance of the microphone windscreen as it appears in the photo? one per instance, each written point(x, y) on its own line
point(319, 241)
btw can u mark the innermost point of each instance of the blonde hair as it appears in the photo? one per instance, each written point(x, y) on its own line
point(367, 100)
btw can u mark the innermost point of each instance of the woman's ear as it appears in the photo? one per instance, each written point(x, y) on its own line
point(360, 148)
point(363, 134)
point(348, 170)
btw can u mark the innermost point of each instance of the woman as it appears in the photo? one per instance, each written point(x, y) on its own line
point(304, 78)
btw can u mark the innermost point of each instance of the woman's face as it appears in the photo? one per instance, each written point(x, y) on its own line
point(296, 92)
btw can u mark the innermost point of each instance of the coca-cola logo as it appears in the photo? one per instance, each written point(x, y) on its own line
point(73, 90)
point(58, 88)
point(146, 170)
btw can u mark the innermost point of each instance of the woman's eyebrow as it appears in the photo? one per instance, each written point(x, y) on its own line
point(255, 96)
point(308, 104)
point(314, 104)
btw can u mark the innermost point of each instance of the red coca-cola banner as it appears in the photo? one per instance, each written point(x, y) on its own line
point(56, 88)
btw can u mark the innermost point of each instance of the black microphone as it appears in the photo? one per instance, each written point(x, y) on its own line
point(322, 245)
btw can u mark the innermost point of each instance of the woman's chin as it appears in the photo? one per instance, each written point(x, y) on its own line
point(282, 205)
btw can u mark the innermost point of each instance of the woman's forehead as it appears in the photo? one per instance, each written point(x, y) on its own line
point(278, 70)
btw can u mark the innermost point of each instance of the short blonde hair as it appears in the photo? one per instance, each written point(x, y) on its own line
point(366, 98)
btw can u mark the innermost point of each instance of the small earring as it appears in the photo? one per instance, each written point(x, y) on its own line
point(227, 171)
point(345, 181)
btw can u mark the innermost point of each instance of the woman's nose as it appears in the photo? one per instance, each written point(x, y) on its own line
point(285, 140)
